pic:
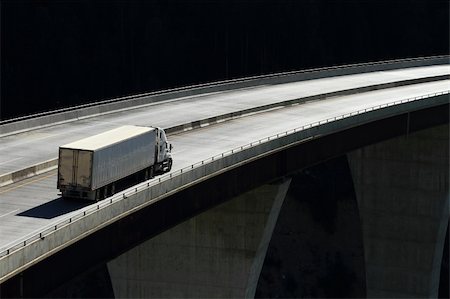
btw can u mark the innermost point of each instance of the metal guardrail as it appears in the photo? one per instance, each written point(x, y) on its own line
point(41, 234)
point(212, 84)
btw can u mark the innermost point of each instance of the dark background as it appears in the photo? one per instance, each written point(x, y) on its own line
point(62, 53)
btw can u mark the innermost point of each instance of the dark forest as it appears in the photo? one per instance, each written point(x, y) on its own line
point(58, 54)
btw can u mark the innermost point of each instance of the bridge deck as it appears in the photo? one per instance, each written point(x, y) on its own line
point(29, 205)
point(26, 149)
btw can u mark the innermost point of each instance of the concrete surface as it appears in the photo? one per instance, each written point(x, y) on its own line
point(402, 188)
point(192, 146)
point(24, 150)
point(164, 214)
point(316, 250)
point(23, 154)
point(105, 107)
point(210, 255)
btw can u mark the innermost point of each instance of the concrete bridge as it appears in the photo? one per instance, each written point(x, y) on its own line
point(323, 183)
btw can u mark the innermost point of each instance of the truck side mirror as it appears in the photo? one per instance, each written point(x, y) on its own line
point(170, 147)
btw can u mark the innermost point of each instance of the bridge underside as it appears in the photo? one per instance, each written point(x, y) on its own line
point(271, 228)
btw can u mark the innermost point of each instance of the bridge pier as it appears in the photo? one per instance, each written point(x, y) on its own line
point(218, 253)
point(316, 249)
point(402, 188)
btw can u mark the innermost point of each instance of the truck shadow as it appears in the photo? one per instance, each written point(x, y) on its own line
point(55, 208)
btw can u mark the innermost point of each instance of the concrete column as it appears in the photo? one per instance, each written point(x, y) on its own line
point(218, 253)
point(260, 256)
point(316, 250)
point(402, 189)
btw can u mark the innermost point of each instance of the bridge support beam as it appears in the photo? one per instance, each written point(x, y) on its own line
point(402, 189)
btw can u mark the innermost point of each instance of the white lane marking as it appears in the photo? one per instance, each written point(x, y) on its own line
point(9, 213)
point(9, 161)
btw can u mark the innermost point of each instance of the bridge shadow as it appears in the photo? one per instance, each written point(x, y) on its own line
point(55, 208)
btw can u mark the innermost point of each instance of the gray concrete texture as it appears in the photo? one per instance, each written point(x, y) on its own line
point(85, 111)
point(100, 215)
point(402, 189)
point(23, 153)
point(210, 255)
point(28, 172)
point(316, 249)
point(40, 167)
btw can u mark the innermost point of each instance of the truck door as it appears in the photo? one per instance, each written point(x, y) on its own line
point(65, 167)
point(84, 165)
point(161, 146)
point(74, 167)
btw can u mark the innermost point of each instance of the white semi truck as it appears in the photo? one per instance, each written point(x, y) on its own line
point(98, 166)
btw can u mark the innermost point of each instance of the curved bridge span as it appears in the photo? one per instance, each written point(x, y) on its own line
point(228, 139)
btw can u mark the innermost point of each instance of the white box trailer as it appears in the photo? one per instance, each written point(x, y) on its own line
point(93, 167)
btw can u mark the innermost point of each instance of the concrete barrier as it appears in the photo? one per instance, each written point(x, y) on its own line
point(37, 247)
point(83, 111)
point(15, 176)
